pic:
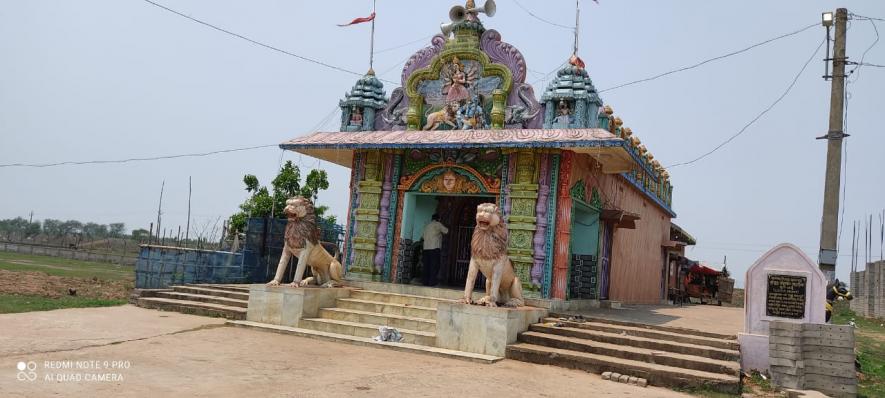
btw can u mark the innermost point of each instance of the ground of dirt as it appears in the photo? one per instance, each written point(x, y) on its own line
point(188, 356)
point(42, 284)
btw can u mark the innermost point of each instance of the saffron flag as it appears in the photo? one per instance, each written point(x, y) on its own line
point(360, 20)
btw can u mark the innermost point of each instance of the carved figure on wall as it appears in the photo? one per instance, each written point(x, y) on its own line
point(457, 79)
point(450, 182)
point(302, 240)
point(564, 114)
point(488, 254)
point(446, 116)
point(471, 115)
point(356, 116)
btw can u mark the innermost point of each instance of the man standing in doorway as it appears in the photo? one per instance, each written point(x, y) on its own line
point(433, 233)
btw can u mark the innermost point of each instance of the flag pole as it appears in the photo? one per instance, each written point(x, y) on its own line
point(372, 42)
point(577, 24)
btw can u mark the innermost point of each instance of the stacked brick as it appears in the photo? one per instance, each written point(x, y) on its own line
point(583, 281)
point(868, 289)
point(817, 357)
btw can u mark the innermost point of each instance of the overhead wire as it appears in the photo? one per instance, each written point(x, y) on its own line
point(185, 155)
point(258, 43)
point(706, 61)
point(384, 50)
point(759, 116)
point(542, 19)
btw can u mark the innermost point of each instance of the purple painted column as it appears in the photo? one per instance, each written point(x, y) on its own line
point(384, 218)
point(539, 252)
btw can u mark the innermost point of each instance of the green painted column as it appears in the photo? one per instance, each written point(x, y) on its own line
point(367, 215)
point(521, 223)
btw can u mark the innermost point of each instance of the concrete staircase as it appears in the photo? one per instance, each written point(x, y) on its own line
point(356, 319)
point(224, 301)
point(666, 357)
point(364, 311)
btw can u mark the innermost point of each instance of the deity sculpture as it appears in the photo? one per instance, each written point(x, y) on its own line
point(471, 115)
point(564, 117)
point(356, 117)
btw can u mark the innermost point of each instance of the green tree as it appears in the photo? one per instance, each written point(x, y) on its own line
point(266, 202)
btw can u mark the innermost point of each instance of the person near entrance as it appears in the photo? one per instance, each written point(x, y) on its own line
point(433, 233)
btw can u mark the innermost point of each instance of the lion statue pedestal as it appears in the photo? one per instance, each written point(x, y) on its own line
point(488, 254)
point(302, 239)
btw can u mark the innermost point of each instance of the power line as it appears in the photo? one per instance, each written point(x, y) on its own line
point(853, 15)
point(751, 122)
point(258, 43)
point(864, 55)
point(403, 45)
point(706, 61)
point(542, 19)
point(186, 155)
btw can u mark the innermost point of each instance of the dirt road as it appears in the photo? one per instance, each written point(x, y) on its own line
point(132, 352)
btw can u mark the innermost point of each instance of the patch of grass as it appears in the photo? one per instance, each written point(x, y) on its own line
point(64, 267)
point(763, 383)
point(705, 392)
point(870, 347)
point(12, 303)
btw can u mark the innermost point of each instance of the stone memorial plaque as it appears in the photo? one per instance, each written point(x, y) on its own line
point(785, 296)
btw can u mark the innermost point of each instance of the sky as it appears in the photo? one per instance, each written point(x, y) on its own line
point(102, 79)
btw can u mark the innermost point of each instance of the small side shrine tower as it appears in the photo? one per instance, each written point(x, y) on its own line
point(587, 207)
point(359, 106)
point(571, 101)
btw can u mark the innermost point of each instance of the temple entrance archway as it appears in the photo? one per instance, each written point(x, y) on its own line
point(458, 214)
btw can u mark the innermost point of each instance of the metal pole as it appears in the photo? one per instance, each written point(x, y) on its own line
point(187, 229)
point(830, 220)
point(372, 42)
point(577, 23)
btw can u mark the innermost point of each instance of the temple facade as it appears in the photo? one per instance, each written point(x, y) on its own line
point(587, 206)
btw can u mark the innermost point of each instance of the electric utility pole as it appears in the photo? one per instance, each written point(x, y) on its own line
point(829, 229)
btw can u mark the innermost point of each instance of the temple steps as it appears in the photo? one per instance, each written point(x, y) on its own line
point(662, 328)
point(395, 298)
point(224, 301)
point(372, 318)
point(366, 330)
point(641, 331)
point(632, 353)
point(192, 307)
point(361, 314)
point(381, 307)
point(666, 358)
point(232, 288)
point(655, 374)
point(203, 298)
point(213, 291)
point(367, 341)
point(625, 338)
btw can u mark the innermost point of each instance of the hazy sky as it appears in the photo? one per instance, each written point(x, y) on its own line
point(85, 80)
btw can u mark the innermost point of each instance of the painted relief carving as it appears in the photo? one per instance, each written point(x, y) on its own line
point(450, 182)
point(460, 98)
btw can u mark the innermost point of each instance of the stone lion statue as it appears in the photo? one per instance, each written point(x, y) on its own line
point(302, 239)
point(488, 254)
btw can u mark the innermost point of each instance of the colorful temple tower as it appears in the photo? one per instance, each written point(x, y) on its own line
point(587, 207)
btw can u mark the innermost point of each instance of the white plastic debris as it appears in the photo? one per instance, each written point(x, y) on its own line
point(388, 334)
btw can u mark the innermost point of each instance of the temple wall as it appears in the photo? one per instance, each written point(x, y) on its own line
point(637, 254)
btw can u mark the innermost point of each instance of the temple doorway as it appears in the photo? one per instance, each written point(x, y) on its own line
point(458, 214)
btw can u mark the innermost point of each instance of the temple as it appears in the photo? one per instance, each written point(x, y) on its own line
point(588, 208)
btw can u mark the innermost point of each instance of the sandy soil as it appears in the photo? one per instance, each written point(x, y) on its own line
point(182, 355)
point(42, 284)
